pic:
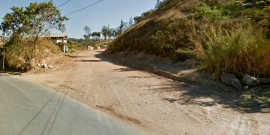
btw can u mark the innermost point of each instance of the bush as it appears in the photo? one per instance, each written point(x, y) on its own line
point(72, 46)
point(15, 54)
point(243, 49)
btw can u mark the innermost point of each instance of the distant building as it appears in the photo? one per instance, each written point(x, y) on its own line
point(58, 38)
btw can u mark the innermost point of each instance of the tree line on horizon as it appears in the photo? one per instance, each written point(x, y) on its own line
point(106, 31)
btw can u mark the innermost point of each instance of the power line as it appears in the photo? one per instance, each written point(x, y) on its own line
point(64, 3)
point(84, 8)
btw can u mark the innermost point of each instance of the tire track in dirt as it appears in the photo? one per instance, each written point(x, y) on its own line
point(162, 105)
point(68, 81)
point(65, 87)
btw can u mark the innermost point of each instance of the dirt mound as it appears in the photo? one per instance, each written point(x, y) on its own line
point(50, 54)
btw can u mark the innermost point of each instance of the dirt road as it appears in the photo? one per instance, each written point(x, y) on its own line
point(151, 104)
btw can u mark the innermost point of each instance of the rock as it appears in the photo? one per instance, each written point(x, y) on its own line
point(248, 5)
point(264, 80)
point(250, 81)
point(256, 89)
point(38, 65)
point(246, 87)
point(50, 66)
point(45, 66)
point(231, 80)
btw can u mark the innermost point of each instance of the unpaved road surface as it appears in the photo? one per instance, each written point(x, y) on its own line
point(149, 103)
point(31, 109)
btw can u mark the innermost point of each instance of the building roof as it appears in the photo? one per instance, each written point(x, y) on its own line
point(56, 36)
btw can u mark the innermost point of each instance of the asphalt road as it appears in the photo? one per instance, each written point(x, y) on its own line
point(30, 109)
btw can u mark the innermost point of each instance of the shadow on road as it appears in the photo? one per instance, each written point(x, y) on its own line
point(244, 101)
point(71, 56)
point(124, 69)
point(88, 60)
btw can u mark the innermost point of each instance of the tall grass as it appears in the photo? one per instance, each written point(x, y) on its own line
point(241, 48)
point(222, 35)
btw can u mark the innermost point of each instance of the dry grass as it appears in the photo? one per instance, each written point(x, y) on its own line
point(216, 32)
point(19, 52)
point(241, 48)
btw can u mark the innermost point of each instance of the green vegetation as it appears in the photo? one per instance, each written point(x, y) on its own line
point(33, 21)
point(72, 47)
point(231, 36)
point(25, 25)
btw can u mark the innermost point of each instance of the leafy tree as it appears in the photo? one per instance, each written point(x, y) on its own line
point(105, 31)
point(87, 32)
point(99, 35)
point(96, 35)
point(110, 33)
point(33, 21)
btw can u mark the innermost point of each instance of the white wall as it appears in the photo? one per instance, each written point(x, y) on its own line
point(60, 41)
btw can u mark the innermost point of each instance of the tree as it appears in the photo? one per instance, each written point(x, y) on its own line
point(130, 22)
point(99, 35)
point(33, 21)
point(137, 19)
point(122, 26)
point(96, 35)
point(157, 4)
point(110, 33)
point(116, 32)
point(87, 32)
point(105, 31)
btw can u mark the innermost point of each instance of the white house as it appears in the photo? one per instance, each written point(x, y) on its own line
point(58, 38)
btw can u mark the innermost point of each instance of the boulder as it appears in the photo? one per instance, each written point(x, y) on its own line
point(248, 80)
point(248, 5)
point(231, 80)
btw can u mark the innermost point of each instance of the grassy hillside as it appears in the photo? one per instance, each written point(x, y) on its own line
point(224, 35)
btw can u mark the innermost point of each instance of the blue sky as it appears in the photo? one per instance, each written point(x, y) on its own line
point(106, 12)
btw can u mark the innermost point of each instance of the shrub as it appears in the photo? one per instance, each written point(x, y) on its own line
point(15, 54)
point(173, 41)
point(243, 49)
point(72, 46)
